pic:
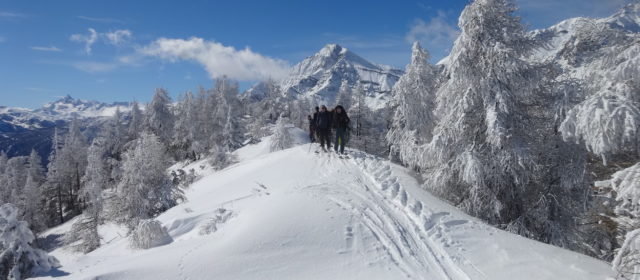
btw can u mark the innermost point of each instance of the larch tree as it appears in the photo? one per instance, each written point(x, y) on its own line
point(145, 189)
point(413, 107)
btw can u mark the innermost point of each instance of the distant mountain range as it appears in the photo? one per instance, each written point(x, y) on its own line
point(24, 129)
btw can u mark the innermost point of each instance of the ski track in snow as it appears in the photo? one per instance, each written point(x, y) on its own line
point(412, 238)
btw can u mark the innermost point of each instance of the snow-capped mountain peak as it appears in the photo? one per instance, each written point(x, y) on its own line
point(319, 77)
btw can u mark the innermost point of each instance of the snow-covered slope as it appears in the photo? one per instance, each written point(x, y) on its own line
point(293, 214)
point(319, 78)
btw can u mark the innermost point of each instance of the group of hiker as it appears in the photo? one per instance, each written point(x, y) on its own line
point(323, 121)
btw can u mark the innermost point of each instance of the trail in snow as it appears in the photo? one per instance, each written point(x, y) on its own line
point(294, 214)
point(380, 204)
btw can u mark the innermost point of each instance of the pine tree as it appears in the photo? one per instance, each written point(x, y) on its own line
point(72, 161)
point(18, 258)
point(413, 109)
point(32, 200)
point(482, 156)
point(84, 235)
point(145, 189)
point(135, 121)
point(282, 137)
point(186, 130)
point(159, 119)
point(53, 186)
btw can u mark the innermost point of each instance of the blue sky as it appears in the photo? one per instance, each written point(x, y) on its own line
point(122, 50)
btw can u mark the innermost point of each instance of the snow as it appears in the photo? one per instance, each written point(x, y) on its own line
point(293, 214)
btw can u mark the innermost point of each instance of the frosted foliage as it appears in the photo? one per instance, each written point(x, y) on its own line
point(606, 123)
point(149, 234)
point(477, 150)
point(159, 118)
point(281, 137)
point(414, 102)
point(626, 183)
point(220, 158)
point(627, 260)
point(18, 259)
point(145, 189)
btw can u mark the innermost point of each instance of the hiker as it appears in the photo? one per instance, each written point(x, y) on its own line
point(341, 124)
point(323, 127)
point(312, 129)
point(315, 122)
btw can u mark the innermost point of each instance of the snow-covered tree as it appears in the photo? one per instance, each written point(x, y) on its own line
point(52, 188)
point(226, 116)
point(413, 109)
point(186, 129)
point(136, 120)
point(626, 184)
point(71, 164)
point(84, 235)
point(488, 152)
point(145, 189)
point(19, 259)
point(13, 180)
point(32, 204)
point(344, 97)
point(159, 119)
point(608, 122)
point(281, 138)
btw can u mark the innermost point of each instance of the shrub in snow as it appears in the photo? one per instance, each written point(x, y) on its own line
point(281, 138)
point(221, 216)
point(18, 259)
point(220, 158)
point(149, 234)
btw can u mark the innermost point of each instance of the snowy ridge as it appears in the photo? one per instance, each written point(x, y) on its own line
point(293, 214)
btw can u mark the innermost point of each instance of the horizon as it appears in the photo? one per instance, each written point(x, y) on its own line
point(101, 52)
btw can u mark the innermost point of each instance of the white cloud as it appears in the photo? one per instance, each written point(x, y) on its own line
point(118, 37)
point(88, 40)
point(217, 59)
point(11, 16)
point(437, 35)
point(101, 20)
point(46, 49)
point(93, 66)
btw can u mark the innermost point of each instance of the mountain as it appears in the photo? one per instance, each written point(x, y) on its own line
point(319, 78)
point(292, 214)
point(24, 129)
point(584, 47)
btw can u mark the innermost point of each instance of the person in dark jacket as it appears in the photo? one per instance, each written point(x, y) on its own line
point(323, 127)
point(315, 121)
point(312, 129)
point(341, 124)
